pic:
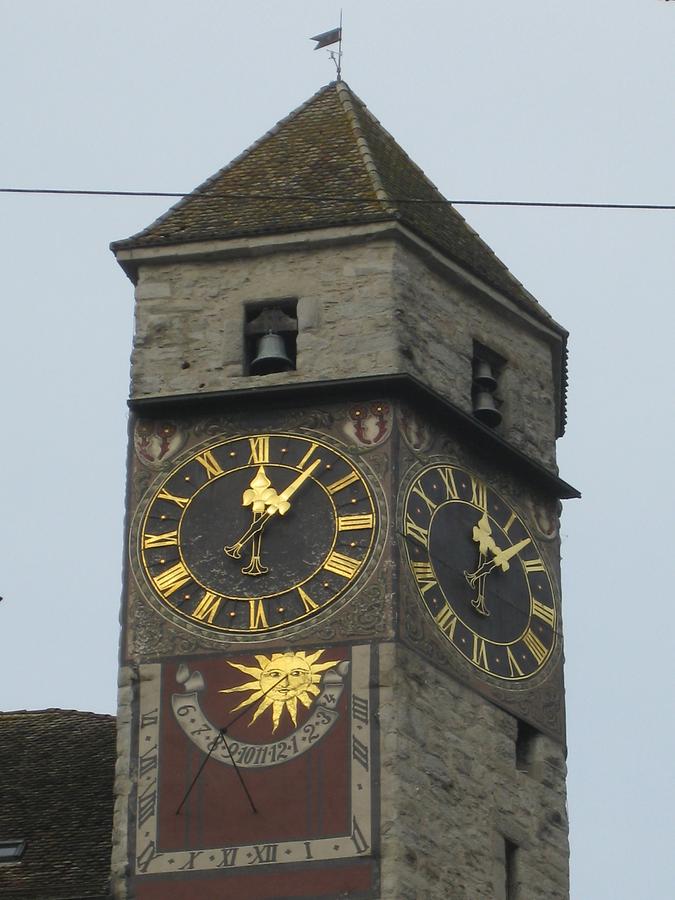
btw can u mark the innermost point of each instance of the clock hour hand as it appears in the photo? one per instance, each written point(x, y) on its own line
point(482, 535)
point(279, 503)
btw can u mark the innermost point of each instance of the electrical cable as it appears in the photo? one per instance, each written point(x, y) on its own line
point(310, 198)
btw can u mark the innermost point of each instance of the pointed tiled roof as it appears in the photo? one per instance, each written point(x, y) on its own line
point(329, 163)
point(56, 783)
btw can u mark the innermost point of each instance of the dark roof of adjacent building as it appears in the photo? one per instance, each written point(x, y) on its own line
point(329, 163)
point(56, 780)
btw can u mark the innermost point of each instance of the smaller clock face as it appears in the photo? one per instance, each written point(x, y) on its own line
point(479, 573)
point(256, 532)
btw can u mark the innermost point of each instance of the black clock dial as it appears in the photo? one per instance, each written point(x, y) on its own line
point(479, 573)
point(256, 532)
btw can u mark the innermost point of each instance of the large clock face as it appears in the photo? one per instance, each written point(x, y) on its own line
point(256, 532)
point(479, 573)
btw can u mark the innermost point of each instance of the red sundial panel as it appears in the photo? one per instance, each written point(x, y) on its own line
point(284, 798)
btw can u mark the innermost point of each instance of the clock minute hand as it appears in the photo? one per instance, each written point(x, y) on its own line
point(501, 559)
point(257, 526)
point(288, 492)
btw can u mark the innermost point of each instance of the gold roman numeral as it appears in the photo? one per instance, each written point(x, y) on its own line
point(424, 575)
point(414, 530)
point(533, 565)
point(256, 615)
point(208, 607)
point(448, 477)
point(420, 493)
point(342, 565)
point(478, 494)
point(210, 463)
point(514, 668)
point(479, 653)
point(260, 450)
point(446, 621)
point(546, 613)
point(307, 601)
point(168, 539)
point(172, 579)
point(535, 646)
point(342, 483)
point(352, 523)
point(305, 459)
point(179, 501)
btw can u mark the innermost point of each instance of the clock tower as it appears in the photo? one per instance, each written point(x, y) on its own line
point(341, 656)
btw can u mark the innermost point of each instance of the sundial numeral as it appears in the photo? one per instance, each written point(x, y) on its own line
point(147, 804)
point(264, 853)
point(229, 857)
point(147, 762)
point(150, 718)
point(360, 752)
point(359, 709)
point(360, 842)
point(146, 856)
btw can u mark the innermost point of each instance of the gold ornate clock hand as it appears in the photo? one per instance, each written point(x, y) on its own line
point(482, 535)
point(258, 496)
point(278, 504)
point(500, 559)
point(288, 492)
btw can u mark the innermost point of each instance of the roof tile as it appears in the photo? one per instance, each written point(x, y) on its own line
point(56, 782)
point(329, 163)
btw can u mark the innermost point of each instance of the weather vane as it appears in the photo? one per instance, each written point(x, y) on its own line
point(334, 36)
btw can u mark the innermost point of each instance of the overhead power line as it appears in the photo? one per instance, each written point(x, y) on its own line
point(311, 198)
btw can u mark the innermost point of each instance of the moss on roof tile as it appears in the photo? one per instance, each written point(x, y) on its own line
point(329, 163)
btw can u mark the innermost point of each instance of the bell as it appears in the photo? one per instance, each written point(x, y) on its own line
point(271, 355)
point(483, 377)
point(485, 409)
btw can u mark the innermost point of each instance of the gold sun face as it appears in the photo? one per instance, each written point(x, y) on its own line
point(280, 682)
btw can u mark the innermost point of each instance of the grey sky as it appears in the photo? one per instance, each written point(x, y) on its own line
point(521, 100)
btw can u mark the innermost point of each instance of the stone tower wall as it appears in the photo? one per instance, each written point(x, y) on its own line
point(452, 793)
point(363, 309)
